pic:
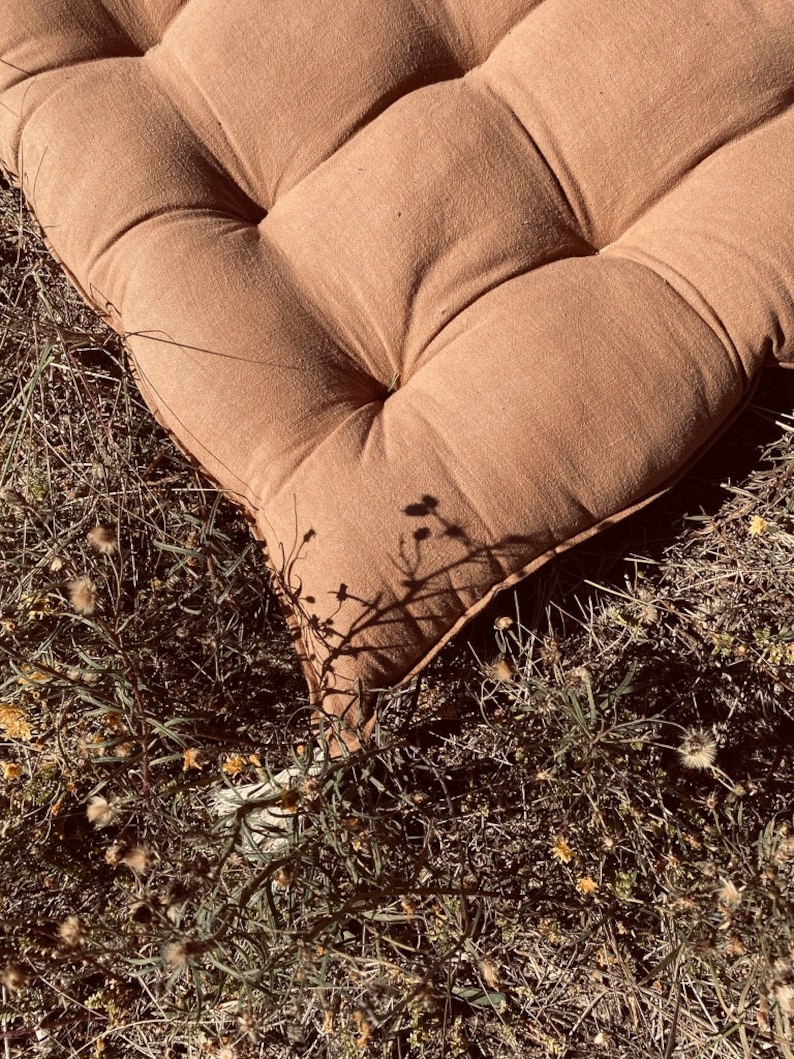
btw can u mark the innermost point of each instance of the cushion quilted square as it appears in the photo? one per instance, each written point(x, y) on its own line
point(431, 288)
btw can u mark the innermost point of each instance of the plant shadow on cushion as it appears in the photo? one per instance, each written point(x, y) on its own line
point(558, 601)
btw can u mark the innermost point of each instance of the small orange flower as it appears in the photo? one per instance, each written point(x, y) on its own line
point(234, 765)
point(14, 722)
point(562, 851)
point(587, 886)
point(192, 759)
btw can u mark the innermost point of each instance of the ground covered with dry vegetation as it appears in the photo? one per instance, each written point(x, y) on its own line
point(573, 838)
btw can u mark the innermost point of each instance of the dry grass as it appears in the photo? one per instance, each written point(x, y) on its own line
point(574, 839)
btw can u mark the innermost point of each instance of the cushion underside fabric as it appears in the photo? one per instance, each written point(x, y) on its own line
point(431, 288)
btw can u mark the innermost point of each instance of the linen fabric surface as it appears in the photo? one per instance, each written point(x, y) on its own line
point(433, 289)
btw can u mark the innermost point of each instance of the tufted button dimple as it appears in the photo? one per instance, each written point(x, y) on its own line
point(38, 38)
point(145, 21)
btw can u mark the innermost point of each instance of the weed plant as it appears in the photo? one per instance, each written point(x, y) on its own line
point(573, 837)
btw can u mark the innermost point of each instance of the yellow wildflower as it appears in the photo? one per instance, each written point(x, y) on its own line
point(12, 770)
point(757, 526)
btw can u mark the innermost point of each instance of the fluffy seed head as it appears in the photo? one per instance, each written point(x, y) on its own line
point(100, 812)
point(728, 896)
point(137, 859)
point(14, 977)
point(103, 540)
point(490, 973)
point(698, 750)
point(70, 933)
point(177, 954)
point(501, 671)
point(82, 595)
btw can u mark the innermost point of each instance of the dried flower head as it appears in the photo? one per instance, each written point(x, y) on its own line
point(14, 977)
point(782, 991)
point(698, 750)
point(757, 526)
point(490, 973)
point(177, 954)
point(137, 859)
point(100, 812)
point(12, 770)
point(70, 933)
point(502, 671)
point(82, 595)
point(113, 854)
point(580, 675)
point(728, 896)
point(503, 623)
point(14, 722)
point(103, 540)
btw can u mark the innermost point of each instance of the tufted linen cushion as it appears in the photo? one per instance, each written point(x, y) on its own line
point(433, 289)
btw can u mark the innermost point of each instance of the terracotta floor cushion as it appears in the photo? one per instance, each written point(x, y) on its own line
point(433, 289)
